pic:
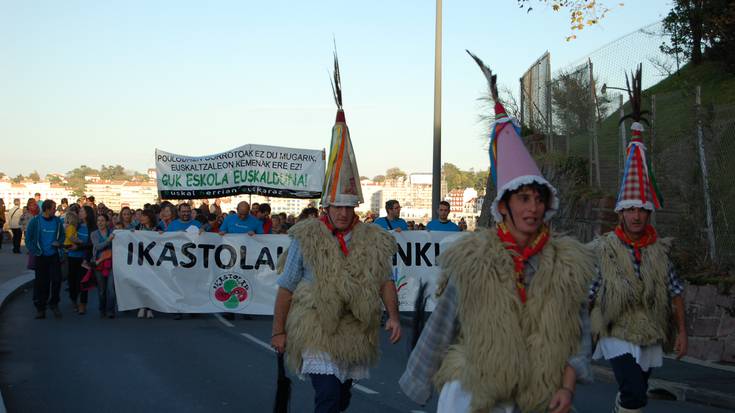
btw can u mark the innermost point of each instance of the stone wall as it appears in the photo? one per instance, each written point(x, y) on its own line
point(710, 316)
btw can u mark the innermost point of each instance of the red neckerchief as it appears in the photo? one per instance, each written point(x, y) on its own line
point(340, 234)
point(647, 239)
point(520, 256)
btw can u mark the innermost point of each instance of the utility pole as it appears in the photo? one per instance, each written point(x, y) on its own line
point(436, 178)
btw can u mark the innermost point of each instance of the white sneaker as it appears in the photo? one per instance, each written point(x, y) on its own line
point(141, 313)
point(149, 314)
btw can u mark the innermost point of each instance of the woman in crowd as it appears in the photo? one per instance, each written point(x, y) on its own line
point(102, 254)
point(147, 223)
point(80, 252)
point(277, 225)
point(126, 218)
point(168, 214)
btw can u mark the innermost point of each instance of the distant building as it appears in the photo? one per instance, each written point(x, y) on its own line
point(25, 190)
point(412, 191)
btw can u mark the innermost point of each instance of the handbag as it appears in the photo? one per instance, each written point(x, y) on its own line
point(88, 282)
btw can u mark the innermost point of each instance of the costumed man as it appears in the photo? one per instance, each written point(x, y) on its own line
point(632, 297)
point(336, 272)
point(506, 334)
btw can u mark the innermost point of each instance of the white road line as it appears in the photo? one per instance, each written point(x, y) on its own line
point(223, 321)
point(257, 341)
point(417, 411)
point(269, 348)
point(364, 389)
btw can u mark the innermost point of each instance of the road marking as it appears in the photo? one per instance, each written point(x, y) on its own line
point(269, 348)
point(364, 389)
point(258, 342)
point(417, 411)
point(223, 321)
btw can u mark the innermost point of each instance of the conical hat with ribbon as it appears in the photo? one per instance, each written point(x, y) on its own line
point(511, 164)
point(638, 187)
point(342, 181)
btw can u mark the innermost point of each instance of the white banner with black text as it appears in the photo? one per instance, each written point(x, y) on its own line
point(185, 272)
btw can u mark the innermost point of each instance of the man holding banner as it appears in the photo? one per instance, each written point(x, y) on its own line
point(506, 334)
point(242, 222)
point(337, 270)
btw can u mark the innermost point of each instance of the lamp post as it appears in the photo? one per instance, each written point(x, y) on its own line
point(436, 170)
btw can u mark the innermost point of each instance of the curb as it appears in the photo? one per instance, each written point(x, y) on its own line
point(9, 289)
point(681, 391)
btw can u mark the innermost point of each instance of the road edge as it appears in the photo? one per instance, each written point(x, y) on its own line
point(682, 391)
point(8, 290)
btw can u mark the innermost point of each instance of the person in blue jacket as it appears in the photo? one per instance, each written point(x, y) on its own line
point(44, 237)
point(442, 223)
point(392, 221)
point(184, 221)
point(242, 222)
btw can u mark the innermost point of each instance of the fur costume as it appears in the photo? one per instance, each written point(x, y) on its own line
point(508, 351)
point(339, 313)
point(634, 309)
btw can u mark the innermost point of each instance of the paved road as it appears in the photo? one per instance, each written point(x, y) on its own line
point(87, 364)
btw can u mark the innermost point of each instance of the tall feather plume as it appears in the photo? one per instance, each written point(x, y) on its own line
point(634, 85)
point(337, 82)
point(491, 78)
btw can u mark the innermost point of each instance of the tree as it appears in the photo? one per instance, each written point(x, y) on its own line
point(379, 178)
point(81, 172)
point(394, 173)
point(2, 175)
point(34, 177)
point(18, 179)
point(114, 173)
point(582, 13)
point(701, 29)
point(54, 179)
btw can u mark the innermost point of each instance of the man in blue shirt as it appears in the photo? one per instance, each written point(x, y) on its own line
point(442, 223)
point(242, 222)
point(184, 221)
point(44, 236)
point(392, 220)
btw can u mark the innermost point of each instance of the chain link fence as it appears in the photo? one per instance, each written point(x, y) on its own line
point(585, 139)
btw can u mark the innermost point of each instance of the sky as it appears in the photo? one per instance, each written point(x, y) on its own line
point(102, 82)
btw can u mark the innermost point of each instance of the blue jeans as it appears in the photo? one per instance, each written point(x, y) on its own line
point(632, 381)
point(106, 290)
point(330, 395)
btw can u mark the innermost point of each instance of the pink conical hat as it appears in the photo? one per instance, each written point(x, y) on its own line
point(513, 165)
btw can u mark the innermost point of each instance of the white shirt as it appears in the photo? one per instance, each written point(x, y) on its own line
point(646, 356)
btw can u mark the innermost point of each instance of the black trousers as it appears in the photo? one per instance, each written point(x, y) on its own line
point(76, 272)
point(632, 381)
point(17, 235)
point(330, 395)
point(47, 284)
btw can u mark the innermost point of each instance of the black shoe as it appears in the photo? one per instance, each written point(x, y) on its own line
point(40, 314)
point(111, 315)
point(56, 311)
point(103, 314)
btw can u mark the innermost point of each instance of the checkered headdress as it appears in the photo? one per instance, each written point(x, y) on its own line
point(638, 186)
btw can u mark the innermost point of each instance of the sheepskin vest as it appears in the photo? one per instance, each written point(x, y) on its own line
point(506, 350)
point(339, 313)
point(634, 309)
